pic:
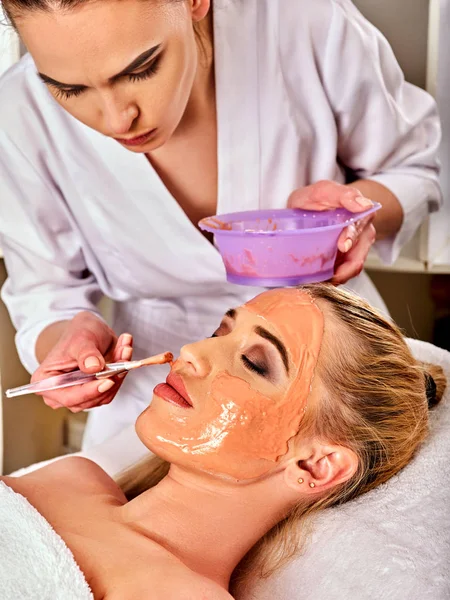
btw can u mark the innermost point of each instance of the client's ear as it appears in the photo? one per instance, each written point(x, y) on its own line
point(316, 467)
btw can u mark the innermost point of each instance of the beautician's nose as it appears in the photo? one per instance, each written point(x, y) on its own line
point(119, 116)
point(195, 359)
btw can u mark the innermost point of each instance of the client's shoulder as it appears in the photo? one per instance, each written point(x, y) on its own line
point(83, 473)
point(72, 473)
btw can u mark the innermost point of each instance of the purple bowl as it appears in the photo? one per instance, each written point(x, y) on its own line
point(275, 248)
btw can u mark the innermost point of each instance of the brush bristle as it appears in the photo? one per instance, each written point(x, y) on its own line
point(159, 359)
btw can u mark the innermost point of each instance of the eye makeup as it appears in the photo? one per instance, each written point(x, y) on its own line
point(150, 70)
point(255, 367)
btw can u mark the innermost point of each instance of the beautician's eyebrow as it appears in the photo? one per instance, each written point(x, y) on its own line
point(277, 343)
point(134, 64)
point(137, 62)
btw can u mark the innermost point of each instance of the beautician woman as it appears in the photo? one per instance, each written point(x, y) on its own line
point(131, 120)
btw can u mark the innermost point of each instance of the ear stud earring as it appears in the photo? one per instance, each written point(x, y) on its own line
point(300, 480)
point(312, 484)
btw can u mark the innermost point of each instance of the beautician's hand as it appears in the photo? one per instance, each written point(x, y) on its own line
point(355, 241)
point(87, 344)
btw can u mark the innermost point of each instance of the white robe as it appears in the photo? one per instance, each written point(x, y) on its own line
point(303, 88)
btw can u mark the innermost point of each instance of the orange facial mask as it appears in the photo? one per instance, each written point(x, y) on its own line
point(243, 433)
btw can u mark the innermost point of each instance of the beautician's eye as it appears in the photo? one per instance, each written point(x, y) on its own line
point(260, 369)
point(148, 72)
point(69, 93)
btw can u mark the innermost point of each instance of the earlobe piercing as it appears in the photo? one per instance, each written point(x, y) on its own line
point(312, 484)
point(300, 480)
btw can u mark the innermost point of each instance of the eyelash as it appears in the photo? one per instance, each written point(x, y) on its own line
point(133, 77)
point(254, 367)
point(66, 94)
point(149, 71)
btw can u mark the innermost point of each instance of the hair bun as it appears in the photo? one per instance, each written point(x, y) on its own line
point(430, 390)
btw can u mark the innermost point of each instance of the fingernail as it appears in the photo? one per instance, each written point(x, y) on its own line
point(348, 244)
point(364, 202)
point(91, 362)
point(127, 339)
point(105, 386)
point(127, 353)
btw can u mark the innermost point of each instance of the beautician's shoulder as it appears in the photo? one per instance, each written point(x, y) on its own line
point(304, 24)
point(303, 28)
point(304, 14)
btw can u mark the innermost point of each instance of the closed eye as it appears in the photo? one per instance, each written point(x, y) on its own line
point(259, 369)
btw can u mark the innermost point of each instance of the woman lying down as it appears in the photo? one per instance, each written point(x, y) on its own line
point(301, 400)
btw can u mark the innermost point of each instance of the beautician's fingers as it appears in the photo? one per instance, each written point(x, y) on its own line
point(89, 341)
point(94, 393)
point(352, 263)
point(327, 195)
point(105, 398)
point(123, 349)
point(84, 344)
point(77, 395)
point(350, 234)
point(108, 388)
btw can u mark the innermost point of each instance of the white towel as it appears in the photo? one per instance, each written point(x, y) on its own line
point(393, 543)
point(35, 563)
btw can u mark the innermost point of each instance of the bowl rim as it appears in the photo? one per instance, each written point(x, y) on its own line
point(277, 212)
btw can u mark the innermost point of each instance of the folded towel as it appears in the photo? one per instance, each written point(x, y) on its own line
point(393, 543)
point(35, 563)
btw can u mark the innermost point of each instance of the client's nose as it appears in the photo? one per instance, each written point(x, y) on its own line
point(196, 359)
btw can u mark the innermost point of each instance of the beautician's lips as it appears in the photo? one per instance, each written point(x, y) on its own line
point(138, 140)
point(174, 391)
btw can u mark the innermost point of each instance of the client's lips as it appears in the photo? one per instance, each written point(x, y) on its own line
point(174, 391)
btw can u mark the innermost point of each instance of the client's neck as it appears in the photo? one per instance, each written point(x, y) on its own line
point(208, 524)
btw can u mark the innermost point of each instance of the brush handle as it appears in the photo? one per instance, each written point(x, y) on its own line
point(57, 382)
point(64, 380)
point(51, 383)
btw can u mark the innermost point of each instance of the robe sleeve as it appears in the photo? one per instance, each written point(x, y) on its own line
point(387, 129)
point(48, 279)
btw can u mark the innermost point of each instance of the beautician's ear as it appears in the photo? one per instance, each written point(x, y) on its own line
point(199, 9)
point(317, 467)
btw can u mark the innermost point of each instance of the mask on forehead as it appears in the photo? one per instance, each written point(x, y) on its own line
point(243, 433)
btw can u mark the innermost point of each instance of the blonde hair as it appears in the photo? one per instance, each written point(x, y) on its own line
point(374, 401)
